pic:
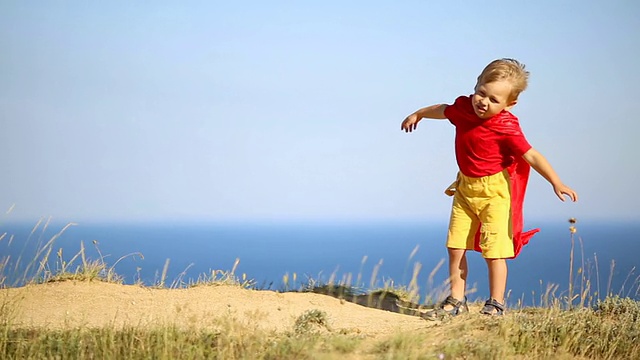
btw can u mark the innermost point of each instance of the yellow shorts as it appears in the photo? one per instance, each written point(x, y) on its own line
point(487, 201)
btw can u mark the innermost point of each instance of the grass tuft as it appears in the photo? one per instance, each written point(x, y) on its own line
point(311, 321)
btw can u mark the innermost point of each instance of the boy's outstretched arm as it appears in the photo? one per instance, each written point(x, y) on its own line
point(540, 164)
point(432, 112)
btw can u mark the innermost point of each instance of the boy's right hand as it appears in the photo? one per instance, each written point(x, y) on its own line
point(410, 123)
point(430, 112)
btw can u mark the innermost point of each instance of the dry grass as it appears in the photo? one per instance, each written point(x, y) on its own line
point(610, 331)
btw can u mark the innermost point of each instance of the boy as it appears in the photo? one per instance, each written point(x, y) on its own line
point(494, 158)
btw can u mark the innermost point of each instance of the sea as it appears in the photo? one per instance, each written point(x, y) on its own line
point(601, 258)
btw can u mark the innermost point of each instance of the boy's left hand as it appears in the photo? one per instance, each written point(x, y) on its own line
point(562, 190)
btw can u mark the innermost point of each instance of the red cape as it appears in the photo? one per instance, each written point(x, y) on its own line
point(518, 176)
point(506, 123)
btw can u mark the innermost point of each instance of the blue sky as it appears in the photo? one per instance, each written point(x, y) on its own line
point(279, 110)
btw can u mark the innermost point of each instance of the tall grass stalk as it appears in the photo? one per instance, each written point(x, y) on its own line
point(570, 297)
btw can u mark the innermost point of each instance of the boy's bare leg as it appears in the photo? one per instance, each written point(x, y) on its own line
point(457, 273)
point(497, 278)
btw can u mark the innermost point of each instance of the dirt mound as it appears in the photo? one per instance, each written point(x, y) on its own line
point(98, 304)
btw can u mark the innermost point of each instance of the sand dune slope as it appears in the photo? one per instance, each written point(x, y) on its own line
point(97, 304)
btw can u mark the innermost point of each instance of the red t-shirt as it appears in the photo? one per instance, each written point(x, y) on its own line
point(484, 146)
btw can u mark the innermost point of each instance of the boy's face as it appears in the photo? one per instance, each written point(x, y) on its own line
point(491, 98)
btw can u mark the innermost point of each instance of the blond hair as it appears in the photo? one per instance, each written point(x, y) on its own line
point(506, 69)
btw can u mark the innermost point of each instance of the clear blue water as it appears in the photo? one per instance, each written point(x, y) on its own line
point(268, 251)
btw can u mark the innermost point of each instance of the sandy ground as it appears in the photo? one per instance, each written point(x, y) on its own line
point(97, 304)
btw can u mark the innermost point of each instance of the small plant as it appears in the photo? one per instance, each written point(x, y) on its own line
point(43, 268)
point(311, 321)
point(88, 270)
point(222, 277)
